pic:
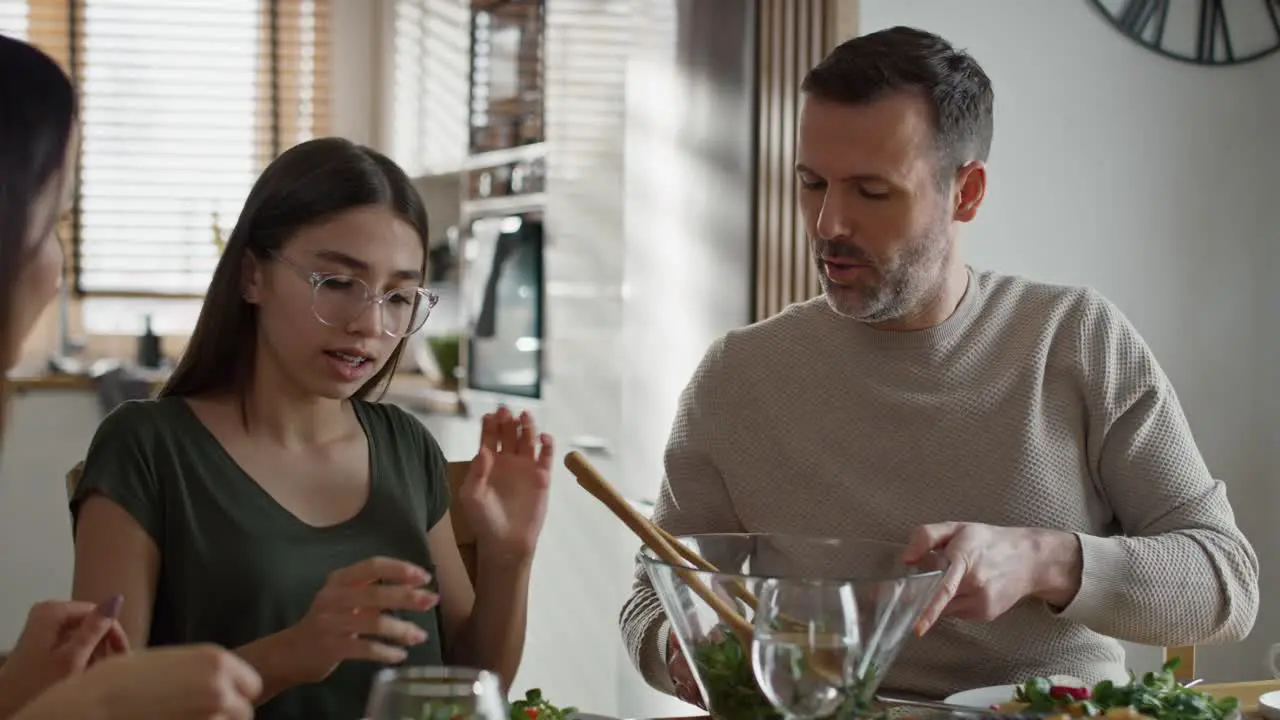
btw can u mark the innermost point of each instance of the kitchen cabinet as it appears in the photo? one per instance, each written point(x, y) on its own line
point(606, 331)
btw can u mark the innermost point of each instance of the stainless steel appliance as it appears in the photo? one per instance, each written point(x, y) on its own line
point(505, 305)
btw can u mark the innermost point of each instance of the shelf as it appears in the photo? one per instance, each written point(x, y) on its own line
point(494, 158)
point(504, 205)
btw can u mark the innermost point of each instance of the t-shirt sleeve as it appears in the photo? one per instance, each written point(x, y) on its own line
point(426, 455)
point(120, 466)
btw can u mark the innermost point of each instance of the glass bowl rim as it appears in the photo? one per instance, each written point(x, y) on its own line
point(648, 557)
point(451, 679)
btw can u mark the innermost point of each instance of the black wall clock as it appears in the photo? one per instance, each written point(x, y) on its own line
point(1203, 32)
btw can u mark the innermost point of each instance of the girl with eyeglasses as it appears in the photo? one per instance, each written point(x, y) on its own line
point(72, 659)
point(266, 502)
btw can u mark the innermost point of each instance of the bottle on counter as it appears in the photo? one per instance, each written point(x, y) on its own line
point(148, 347)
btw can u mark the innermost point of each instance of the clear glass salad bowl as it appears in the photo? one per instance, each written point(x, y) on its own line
point(876, 599)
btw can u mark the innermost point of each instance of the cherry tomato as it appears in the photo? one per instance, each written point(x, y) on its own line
point(1067, 692)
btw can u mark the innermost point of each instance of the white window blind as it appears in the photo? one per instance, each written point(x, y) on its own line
point(430, 85)
point(13, 18)
point(182, 105)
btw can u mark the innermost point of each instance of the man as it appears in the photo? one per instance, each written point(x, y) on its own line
point(1024, 429)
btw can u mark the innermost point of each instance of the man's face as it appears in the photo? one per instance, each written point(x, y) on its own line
point(878, 221)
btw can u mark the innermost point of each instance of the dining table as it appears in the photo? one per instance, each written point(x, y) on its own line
point(1247, 692)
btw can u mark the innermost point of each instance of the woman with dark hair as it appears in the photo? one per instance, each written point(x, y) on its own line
point(267, 503)
point(54, 670)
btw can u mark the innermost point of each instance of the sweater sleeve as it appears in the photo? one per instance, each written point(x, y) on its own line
point(693, 499)
point(1180, 572)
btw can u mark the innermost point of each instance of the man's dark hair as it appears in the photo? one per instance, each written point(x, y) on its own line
point(867, 68)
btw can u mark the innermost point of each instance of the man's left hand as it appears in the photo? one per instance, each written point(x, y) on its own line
point(992, 568)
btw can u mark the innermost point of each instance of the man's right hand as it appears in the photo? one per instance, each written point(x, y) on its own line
point(196, 682)
point(681, 674)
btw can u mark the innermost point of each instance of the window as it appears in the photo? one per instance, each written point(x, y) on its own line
point(429, 98)
point(13, 19)
point(182, 105)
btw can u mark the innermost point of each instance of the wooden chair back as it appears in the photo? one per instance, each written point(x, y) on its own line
point(1186, 654)
point(73, 479)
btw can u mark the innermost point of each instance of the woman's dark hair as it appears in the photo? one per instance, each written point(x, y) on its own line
point(37, 114)
point(307, 184)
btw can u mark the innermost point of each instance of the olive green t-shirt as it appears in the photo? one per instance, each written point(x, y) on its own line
point(235, 564)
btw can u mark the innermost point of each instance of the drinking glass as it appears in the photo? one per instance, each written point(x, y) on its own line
point(436, 693)
point(806, 646)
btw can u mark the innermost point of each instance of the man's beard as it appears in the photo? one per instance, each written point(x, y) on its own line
point(897, 287)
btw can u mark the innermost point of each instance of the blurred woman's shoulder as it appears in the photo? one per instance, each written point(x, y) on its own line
point(135, 416)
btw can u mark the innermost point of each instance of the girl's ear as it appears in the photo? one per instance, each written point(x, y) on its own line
point(252, 278)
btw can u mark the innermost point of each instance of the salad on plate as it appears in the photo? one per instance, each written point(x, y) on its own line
point(536, 707)
point(1154, 696)
point(531, 707)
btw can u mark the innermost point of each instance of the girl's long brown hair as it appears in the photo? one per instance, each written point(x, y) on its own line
point(305, 185)
point(37, 114)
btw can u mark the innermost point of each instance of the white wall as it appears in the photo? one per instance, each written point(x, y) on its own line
point(359, 55)
point(49, 432)
point(1152, 181)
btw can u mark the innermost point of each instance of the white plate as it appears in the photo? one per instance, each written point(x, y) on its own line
point(589, 716)
point(983, 697)
point(1269, 705)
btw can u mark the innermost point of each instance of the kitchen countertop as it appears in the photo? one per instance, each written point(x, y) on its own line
point(412, 390)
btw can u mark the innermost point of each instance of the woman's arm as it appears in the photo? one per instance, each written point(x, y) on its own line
point(115, 556)
point(484, 626)
point(504, 496)
point(274, 658)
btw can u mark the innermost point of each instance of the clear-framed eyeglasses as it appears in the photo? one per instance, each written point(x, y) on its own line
point(337, 299)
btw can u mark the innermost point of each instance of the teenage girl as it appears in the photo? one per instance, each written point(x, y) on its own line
point(266, 502)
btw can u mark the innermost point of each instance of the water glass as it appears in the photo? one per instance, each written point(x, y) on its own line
point(436, 693)
point(806, 646)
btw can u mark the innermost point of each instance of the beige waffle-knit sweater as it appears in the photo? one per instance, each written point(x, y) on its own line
point(1032, 405)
